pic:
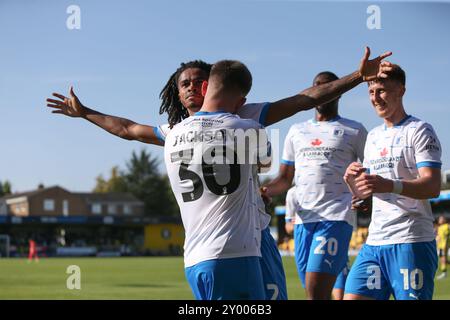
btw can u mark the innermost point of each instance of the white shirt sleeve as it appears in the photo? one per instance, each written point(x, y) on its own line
point(360, 143)
point(254, 111)
point(288, 156)
point(427, 148)
point(291, 205)
point(161, 132)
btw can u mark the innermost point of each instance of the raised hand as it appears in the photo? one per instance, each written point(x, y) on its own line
point(71, 106)
point(372, 69)
point(385, 67)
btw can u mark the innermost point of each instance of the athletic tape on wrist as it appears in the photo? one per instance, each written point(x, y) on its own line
point(398, 186)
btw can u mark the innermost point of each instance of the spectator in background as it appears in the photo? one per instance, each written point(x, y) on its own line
point(32, 251)
point(442, 245)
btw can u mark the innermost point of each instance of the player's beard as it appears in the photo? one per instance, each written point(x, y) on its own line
point(194, 105)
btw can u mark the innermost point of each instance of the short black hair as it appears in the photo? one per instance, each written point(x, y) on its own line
point(328, 74)
point(233, 75)
point(170, 101)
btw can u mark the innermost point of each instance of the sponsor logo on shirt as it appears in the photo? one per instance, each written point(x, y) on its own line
point(316, 142)
point(384, 162)
point(432, 144)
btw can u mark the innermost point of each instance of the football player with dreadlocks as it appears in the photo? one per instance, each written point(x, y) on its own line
point(181, 97)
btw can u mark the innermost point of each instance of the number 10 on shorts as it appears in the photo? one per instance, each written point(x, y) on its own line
point(413, 279)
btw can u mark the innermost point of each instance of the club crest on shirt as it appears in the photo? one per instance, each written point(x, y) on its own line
point(399, 140)
point(338, 132)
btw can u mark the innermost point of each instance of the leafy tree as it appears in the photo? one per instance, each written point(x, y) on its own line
point(147, 184)
point(142, 179)
point(6, 187)
point(100, 185)
point(116, 183)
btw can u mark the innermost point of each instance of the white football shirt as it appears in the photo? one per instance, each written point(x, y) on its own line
point(256, 112)
point(217, 202)
point(396, 153)
point(321, 152)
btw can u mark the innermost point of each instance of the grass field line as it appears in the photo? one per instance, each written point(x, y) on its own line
point(149, 278)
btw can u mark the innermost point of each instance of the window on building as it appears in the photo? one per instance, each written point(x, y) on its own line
point(96, 208)
point(49, 205)
point(112, 209)
point(65, 208)
point(127, 209)
point(17, 208)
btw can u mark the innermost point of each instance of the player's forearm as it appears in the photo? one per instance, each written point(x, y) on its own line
point(326, 92)
point(112, 124)
point(311, 98)
point(278, 186)
point(422, 188)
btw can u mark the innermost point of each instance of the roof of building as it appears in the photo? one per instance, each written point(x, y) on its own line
point(89, 197)
point(30, 193)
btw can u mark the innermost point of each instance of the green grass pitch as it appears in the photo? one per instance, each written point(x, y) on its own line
point(151, 278)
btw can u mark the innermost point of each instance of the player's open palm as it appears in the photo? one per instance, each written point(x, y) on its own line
point(69, 106)
point(372, 69)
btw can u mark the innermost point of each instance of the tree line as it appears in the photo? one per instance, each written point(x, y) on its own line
point(142, 178)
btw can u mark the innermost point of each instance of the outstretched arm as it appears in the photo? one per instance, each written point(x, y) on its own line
point(318, 95)
point(121, 127)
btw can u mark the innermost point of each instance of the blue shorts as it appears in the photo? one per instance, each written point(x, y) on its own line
point(321, 247)
point(227, 279)
point(404, 270)
point(342, 278)
point(272, 268)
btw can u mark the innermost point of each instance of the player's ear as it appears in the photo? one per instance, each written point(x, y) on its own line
point(204, 87)
point(403, 91)
point(242, 101)
point(239, 104)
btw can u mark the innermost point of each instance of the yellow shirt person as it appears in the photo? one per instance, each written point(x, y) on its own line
point(443, 233)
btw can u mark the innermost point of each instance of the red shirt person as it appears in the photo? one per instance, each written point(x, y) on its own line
point(32, 252)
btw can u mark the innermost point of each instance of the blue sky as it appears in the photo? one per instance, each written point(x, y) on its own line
point(125, 51)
